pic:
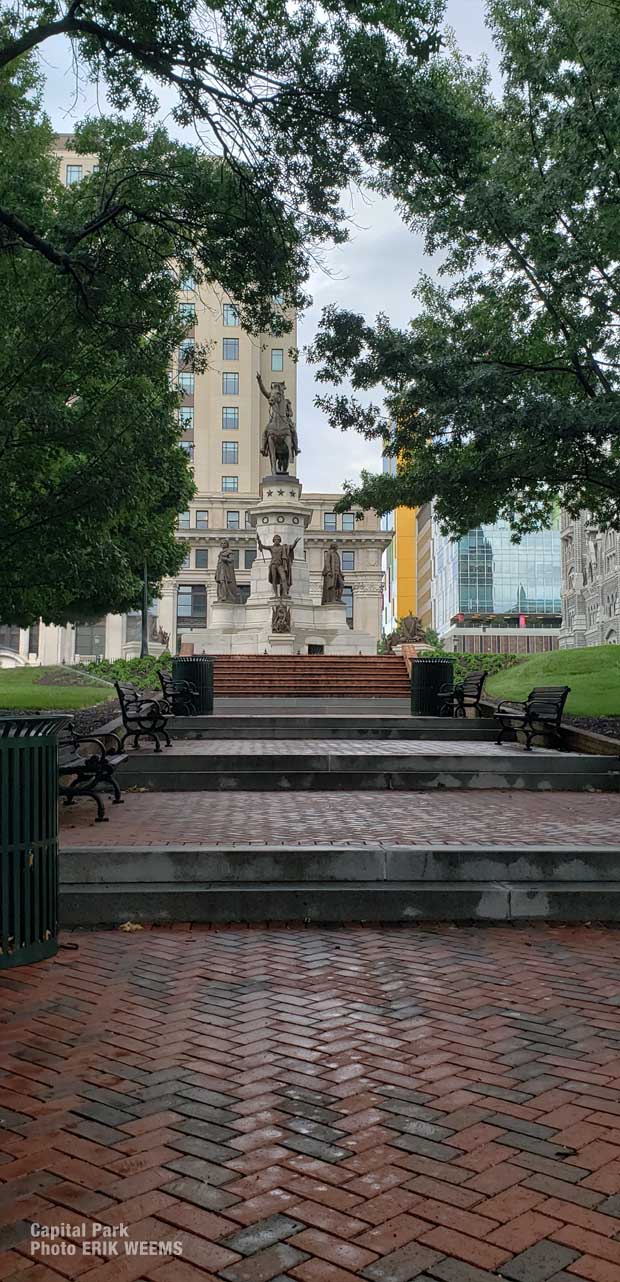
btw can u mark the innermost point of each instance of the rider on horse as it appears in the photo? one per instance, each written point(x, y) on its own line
point(279, 437)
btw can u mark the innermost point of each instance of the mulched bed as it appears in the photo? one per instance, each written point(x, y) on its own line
point(85, 720)
point(600, 725)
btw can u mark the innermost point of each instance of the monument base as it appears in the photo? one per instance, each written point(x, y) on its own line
point(281, 643)
point(280, 517)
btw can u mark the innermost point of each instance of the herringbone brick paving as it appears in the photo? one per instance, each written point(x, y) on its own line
point(504, 818)
point(434, 1104)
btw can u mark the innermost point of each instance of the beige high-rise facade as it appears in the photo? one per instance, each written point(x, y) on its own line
point(221, 421)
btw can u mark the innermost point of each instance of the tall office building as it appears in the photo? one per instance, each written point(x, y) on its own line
point(407, 562)
point(490, 595)
point(221, 420)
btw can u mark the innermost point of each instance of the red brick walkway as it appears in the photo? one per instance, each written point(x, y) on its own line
point(504, 818)
point(320, 1106)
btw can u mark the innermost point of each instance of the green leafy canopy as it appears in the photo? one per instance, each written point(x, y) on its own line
point(502, 395)
point(283, 100)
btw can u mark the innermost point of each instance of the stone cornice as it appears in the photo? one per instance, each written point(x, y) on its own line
point(312, 538)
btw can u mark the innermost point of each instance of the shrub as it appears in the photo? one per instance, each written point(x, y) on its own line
point(140, 672)
point(465, 663)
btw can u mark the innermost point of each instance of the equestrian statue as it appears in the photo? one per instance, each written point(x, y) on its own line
point(279, 441)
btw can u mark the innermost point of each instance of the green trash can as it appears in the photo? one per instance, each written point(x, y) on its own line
point(198, 669)
point(428, 675)
point(28, 838)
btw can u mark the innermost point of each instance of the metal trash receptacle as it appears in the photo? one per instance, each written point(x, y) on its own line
point(198, 669)
point(428, 675)
point(28, 838)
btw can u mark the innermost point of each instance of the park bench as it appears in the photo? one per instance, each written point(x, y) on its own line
point(88, 775)
point(467, 694)
point(541, 712)
point(142, 718)
point(181, 696)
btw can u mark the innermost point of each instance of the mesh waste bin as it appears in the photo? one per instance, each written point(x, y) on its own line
point(28, 838)
point(428, 675)
point(198, 669)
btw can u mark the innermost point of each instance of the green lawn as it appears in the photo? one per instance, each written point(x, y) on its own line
point(21, 688)
point(593, 675)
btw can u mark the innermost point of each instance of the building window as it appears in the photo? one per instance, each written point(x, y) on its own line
point(230, 452)
point(192, 606)
point(248, 520)
point(232, 521)
point(186, 418)
point(348, 521)
point(230, 418)
point(230, 484)
point(244, 592)
point(202, 558)
point(277, 359)
point(347, 560)
point(188, 448)
point(202, 519)
point(231, 315)
point(249, 557)
point(9, 638)
point(33, 639)
point(187, 283)
point(183, 520)
point(186, 384)
point(230, 384)
point(90, 640)
point(133, 627)
point(186, 352)
point(186, 562)
point(347, 597)
point(74, 174)
point(230, 349)
point(187, 312)
point(329, 521)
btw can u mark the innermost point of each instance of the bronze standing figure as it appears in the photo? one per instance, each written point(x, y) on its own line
point(281, 567)
point(333, 581)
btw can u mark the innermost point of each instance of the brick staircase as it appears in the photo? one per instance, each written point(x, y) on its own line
point(308, 675)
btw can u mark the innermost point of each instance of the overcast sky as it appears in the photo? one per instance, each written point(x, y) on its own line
point(374, 272)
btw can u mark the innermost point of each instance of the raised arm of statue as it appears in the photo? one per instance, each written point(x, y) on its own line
point(261, 545)
point(262, 386)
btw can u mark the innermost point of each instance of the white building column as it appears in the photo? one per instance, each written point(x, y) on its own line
point(23, 643)
point(114, 626)
point(166, 615)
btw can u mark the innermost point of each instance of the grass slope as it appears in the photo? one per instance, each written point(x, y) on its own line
point(21, 688)
point(593, 675)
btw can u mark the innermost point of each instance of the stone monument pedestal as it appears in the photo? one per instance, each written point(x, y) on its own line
point(248, 628)
point(281, 643)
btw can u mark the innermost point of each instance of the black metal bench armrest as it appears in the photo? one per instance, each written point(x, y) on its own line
point(142, 704)
point(111, 734)
point(71, 767)
point(447, 690)
point(91, 739)
point(511, 707)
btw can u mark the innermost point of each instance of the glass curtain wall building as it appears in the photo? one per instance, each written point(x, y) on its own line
point(489, 592)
